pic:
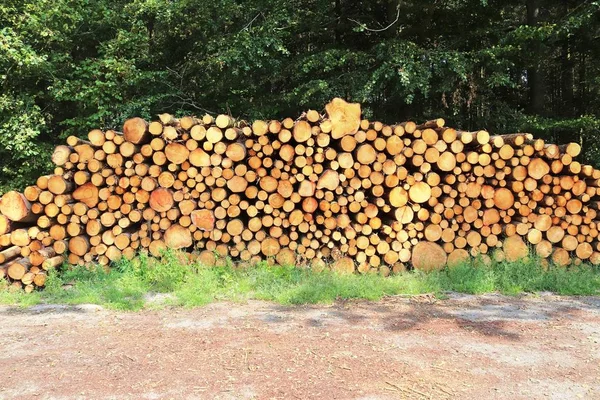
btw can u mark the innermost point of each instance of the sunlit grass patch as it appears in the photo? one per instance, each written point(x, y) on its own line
point(187, 283)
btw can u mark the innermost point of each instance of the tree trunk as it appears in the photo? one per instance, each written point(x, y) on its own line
point(535, 73)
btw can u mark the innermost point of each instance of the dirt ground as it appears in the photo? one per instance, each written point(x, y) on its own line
point(466, 347)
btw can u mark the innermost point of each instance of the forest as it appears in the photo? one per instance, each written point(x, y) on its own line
point(68, 66)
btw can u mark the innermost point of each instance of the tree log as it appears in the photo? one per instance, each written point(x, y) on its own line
point(344, 117)
point(178, 237)
point(15, 207)
point(135, 130)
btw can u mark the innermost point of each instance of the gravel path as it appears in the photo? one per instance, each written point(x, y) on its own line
point(467, 347)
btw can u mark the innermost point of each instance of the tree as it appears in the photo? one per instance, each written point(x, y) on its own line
point(67, 67)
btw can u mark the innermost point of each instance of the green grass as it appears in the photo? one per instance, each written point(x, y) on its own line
point(127, 286)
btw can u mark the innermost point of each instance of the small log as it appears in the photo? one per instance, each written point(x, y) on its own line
point(572, 149)
point(366, 154)
point(543, 249)
point(420, 192)
point(207, 258)
point(584, 251)
point(9, 254)
point(237, 184)
point(39, 279)
point(224, 121)
point(79, 245)
point(538, 168)
point(53, 262)
point(286, 257)
point(302, 131)
point(38, 257)
point(555, 234)
point(236, 151)
point(329, 180)
point(398, 197)
point(561, 257)
point(5, 225)
point(504, 199)
point(61, 155)
point(59, 185)
point(176, 153)
point(270, 247)
point(458, 257)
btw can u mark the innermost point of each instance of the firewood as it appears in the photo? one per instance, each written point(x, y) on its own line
point(366, 196)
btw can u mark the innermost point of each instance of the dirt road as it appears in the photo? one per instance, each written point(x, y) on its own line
point(466, 347)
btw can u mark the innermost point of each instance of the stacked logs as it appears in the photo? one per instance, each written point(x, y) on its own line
point(323, 190)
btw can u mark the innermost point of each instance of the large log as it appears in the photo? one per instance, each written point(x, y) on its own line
point(178, 237)
point(428, 256)
point(135, 130)
point(87, 194)
point(515, 248)
point(203, 219)
point(15, 207)
point(344, 117)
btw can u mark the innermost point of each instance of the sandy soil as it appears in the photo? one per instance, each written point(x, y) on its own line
point(467, 347)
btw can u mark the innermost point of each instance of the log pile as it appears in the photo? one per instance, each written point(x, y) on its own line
point(324, 190)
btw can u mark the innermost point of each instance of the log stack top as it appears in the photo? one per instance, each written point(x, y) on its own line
point(326, 190)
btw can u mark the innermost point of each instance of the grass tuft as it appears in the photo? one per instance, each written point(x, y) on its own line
point(189, 284)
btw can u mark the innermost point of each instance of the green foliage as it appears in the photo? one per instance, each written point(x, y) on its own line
point(17, 297)
point(79, 285)
point(162, 275)
point(467, 278)
point(133, 283)
point(67, 67)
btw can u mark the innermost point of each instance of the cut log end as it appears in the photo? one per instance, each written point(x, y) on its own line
point(135, 130)
point(15, 207)
point(428, 256)
point(345, 117)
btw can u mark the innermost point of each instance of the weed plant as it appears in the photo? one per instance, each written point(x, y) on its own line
point(129, 284)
